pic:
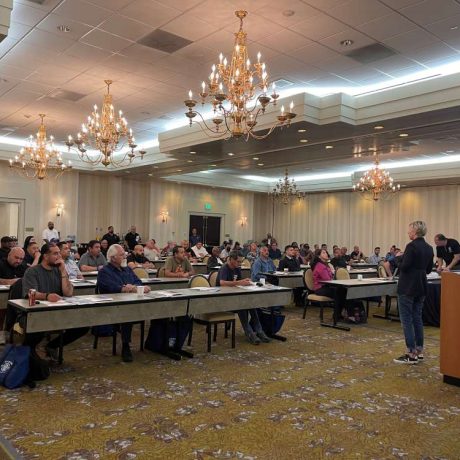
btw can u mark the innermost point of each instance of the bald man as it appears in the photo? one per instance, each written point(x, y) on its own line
point(11, 268)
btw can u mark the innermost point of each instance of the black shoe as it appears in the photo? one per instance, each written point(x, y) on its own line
point(126, 355)
point(405, 359)
point(263, 337)
point(52, 353)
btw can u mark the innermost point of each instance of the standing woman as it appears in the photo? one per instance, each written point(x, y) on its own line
point(414, 265)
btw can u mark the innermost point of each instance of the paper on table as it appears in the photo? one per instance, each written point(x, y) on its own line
point(205, 288)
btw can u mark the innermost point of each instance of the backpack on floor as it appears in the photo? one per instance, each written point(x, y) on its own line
point(168, 333)
point(271, 323)
point(14, 366)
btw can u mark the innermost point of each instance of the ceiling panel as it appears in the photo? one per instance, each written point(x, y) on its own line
point(28, 15)
point(82, 11)
point(48, 41)
point(410, 41)
point(106, 41)
point(190, 27)
point(318, 27)
point(386, 27)
point(356, 12)
point(430, 11)
point(150, 12)
point(281, 12)
point(125, 27)
point(53, 21)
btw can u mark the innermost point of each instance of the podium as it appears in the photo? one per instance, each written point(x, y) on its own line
point(450, 327)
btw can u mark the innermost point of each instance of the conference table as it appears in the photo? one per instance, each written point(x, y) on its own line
point(285, 279)
point(363, 265)
point(93, 274)
point(364, 272)
point(95, 310)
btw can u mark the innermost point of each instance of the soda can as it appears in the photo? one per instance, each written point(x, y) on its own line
point(32, 296)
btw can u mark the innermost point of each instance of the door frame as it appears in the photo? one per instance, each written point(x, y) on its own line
point(212, 214)
point(21, 214)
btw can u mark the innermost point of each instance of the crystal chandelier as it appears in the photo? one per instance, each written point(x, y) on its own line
point(103, 132)
point(237, 91)
point(286, 189)
point(376, 183)
point(40, 159)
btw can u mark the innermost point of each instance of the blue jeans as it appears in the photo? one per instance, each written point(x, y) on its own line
point(244, 318)
point(410, 313)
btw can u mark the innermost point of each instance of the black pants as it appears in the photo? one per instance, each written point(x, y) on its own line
point(338, 294)
point(69, 336)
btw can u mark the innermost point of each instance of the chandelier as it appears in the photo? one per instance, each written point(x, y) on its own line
point(238, 94)
point(104, 132)
point(376, 183)
point(286, 189)
point(40, 159)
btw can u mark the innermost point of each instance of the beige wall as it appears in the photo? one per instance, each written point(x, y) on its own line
point(347, 219)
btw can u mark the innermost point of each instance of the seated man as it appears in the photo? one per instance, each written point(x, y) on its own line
point(32, 255)
point(306, 253)
point(230, 275)
point(113, 279)
point(253, 252)
point(225, 252)
point(93, 259)
point(375, 258)
point(263, 264)
point(356, 254)
point(214, 260)
point(346, 256)
point(50, 280)
point(132, 238)
point(178, 266)
point(168, 249)
point(338, 261)
point(6, 243)
point(70, 265)
point(151, 250)
point(138, 259)
point(188, 250)
point(274, 252)
point(199, 250)
point(12, 268)
point(390, 262)
point(292, 263)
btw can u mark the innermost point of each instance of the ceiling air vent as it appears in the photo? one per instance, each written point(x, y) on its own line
point(64, 95)
point(371, 53)
point(282, 83)
point(164, 41)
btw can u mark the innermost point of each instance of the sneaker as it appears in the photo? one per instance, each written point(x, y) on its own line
point(252, 338)
point(405, 359)
point(263, 337)
point(52, 353)
point(420, 356)
point(126, 355)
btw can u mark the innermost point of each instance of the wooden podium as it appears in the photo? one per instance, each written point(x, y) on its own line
point(450, 327)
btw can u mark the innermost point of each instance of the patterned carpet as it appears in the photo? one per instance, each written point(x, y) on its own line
point(322, 394)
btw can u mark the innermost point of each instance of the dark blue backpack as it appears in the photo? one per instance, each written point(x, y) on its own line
point(161, 331)
point(14, 366)
point(271, 322)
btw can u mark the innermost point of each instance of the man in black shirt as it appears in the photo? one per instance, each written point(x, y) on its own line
point(292, 263)
point(274, 252)
point(230, 275)
point(111, 237)
point(338, 261)
point(5, 247)
point(11, 268)
point(132, 238)
point(138, 259)
point(357, 254)
point(447, 250)
point(214, 260)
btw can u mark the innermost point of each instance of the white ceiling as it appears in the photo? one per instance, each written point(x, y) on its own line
point(299, 39)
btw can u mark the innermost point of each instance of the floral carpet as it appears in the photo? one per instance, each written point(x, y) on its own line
point(322, 394)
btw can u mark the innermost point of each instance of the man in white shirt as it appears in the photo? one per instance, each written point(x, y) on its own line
point(199, 250)
point(71, 266)
point(50, 233)
point(151, 250)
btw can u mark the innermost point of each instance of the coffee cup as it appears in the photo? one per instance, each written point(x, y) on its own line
point(360, 277)
point(140, 290)
point(286, 270)
point(262, 281)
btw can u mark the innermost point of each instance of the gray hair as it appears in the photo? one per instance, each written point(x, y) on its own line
point(419, 227)
point(112, 251)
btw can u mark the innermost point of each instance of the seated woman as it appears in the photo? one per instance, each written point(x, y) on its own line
point(323, 272)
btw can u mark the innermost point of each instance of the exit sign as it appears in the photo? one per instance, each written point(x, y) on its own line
point(207, 206)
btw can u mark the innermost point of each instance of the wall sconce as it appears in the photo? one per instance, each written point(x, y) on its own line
point(59, 209)
point(244, 221)
point(164, 216)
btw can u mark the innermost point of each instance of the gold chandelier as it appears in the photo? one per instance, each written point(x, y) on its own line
point(286, 189)
point(40, 159)
point(104, 132)
point(237, 91)
point(376, 183)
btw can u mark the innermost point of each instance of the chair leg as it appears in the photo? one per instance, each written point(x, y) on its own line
point(96, 337)
point(208, 330)
point(321, 311)
point(305, 309)
point(190, 334)
point(142, 324)
point(114, 343)
point(367, 309)
point(232, 325)
point(215, 332)
point(226, 329)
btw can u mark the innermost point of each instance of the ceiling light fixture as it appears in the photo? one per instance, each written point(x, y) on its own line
point(303, 141)
point(260, 164)
point(301, 130)
point(376, 183)
point(230, 154)
point(40, 159)
point(347, 42)
point(285, 189)
point(403, 135)
point(64, 28)
point(192, 152)
point(255, 158)
point(232, 89)
point(329, 147)
point(378, 127)
point(103, 132)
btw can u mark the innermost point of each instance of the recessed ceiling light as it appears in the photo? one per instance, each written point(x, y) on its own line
point(260, 164)
point(178, 170)
point(347, 42)
point(378, 127)
point(403, 135)
point(255, 158)
point(192, 152)
point(214, 165)
point(230, 154)
point(301, 130)
point(64, 28)
point(189, 161)
point(288, 13)
point(303, 141)
point(329, 147)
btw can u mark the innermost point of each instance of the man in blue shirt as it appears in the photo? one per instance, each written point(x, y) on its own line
point(230, 275)
point(114, 278)
point(262, 264)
